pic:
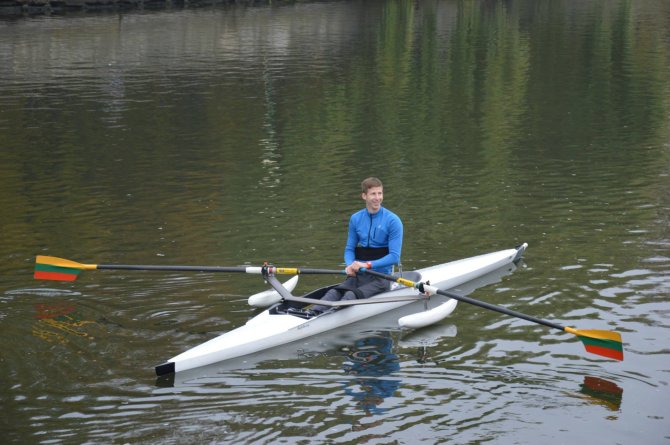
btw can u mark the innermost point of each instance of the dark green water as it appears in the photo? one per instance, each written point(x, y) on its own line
point(237, 135)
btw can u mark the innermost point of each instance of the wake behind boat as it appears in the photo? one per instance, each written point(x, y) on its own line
point(284, 322)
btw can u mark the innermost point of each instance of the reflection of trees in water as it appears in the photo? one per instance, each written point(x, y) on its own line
point(270, 155)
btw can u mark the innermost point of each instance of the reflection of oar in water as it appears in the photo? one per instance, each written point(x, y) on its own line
point(606, 392)
point(599, 342)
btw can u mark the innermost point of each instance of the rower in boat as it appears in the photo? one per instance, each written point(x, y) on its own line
point(374, 242)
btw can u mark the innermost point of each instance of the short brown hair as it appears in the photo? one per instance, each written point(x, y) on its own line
point(370, 182)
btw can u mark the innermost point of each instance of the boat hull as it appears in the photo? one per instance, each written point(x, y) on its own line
point(270, 329)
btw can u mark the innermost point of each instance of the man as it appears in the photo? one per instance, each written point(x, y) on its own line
point(374, 242)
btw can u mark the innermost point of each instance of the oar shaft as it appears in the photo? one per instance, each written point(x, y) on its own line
point(242, 269)
point(177, 268)
point(482, 304)
point(502, 310)
point(315, 271)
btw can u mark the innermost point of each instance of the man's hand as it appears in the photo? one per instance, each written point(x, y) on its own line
point(354, 267)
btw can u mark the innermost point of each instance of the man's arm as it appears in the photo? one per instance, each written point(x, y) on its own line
point(395, 245)
point(352, 242)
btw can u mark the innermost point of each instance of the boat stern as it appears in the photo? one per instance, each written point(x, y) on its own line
point(165, 369)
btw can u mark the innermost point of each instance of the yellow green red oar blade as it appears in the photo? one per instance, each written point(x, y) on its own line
point(59, 269)
point(599, 342)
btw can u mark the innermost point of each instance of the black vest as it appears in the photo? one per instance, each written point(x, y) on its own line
point(371, 253)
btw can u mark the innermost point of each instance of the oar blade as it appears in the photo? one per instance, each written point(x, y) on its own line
point(604, 343)
point(58, 269)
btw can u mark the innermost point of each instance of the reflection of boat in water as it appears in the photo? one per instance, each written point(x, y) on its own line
point(337, 341)
point(423, 340)
point(428, 336)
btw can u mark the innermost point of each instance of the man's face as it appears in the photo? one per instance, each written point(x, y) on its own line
point(373, 199)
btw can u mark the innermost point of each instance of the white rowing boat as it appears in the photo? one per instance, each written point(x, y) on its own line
point(278, 325)
point(333, 342)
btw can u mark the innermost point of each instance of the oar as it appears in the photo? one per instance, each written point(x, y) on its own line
point(599, 342)
point(60, 269)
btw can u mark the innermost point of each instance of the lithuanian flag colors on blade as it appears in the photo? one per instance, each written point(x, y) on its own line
point(52, 268)
point(604, 343)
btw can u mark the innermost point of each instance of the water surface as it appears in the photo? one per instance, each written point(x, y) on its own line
point(237, 135)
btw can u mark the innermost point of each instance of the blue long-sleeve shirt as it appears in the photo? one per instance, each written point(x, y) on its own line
point(381, 229)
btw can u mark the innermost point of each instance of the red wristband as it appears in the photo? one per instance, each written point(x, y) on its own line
point(368, 265)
